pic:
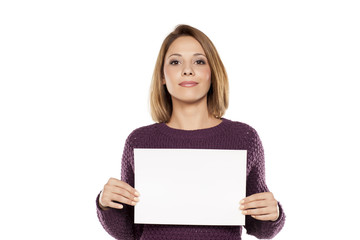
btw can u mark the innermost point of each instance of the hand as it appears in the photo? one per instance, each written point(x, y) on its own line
point(115, 192)
point(261, 206)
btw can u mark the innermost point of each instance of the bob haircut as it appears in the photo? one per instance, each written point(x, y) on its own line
point(218, 94)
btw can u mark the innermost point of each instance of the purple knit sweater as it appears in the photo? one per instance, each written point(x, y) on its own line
point(227, 135)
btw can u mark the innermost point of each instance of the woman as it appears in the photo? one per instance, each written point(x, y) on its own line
point(189, 96)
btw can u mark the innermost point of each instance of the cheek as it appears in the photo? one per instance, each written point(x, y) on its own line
point(207, 74)
point(169, 80)
point(169, 74)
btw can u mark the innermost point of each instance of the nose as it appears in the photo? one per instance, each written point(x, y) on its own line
point(188, 71)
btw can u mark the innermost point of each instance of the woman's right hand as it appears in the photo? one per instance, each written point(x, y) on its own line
point(116, 192)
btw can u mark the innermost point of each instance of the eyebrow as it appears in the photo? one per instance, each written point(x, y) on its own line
point(177, 54)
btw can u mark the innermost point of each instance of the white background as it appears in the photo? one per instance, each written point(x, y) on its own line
point(75, 79)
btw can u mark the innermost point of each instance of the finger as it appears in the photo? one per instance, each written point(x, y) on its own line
point(101, 199)
point(121, 199)
point(124, 185)
point(122, 192)
point(116, 205)
point(257, 196)
point(265, 217)
point(110, 198)
point(254, 204)
point(258, 211)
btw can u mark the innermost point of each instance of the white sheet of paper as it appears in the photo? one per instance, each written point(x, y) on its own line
point(190, 186)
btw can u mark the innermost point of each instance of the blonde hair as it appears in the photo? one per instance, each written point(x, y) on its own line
point(218, 94)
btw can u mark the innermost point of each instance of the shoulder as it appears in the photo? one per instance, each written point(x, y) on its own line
point(241, 128)
point(143, 132)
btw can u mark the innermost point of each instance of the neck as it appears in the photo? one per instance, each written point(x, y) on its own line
point(192, 116)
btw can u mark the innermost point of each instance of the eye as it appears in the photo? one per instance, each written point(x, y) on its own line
point(174, 62)
point(201, 62)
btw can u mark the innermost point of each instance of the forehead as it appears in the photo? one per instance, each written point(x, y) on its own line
point(185, 44)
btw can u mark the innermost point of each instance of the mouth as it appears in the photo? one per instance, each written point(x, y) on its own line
point(188, 84)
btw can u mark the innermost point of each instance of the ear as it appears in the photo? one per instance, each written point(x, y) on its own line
point(163, 81)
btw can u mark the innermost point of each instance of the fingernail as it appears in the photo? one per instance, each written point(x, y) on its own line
point(136, 199)
point(242, 201)
point(137, 194)
point(241, 206)
point(133, 203)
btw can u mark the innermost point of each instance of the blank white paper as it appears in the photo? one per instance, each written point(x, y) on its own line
point(190, 186)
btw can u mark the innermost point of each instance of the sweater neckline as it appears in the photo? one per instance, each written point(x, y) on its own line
point(197, 133)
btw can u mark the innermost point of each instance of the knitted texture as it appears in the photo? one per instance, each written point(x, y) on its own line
point(119, 223)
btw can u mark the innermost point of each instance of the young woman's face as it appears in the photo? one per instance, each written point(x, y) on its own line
point(187, 71)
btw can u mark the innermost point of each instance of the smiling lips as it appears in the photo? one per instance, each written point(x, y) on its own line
point(188, 84)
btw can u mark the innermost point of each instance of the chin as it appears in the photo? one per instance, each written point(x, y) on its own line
point(189, 100)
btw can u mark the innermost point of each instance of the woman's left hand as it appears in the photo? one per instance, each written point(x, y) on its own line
point(261, 206)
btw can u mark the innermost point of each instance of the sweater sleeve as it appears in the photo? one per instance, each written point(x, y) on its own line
point(256, 184)
point(119, 223)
